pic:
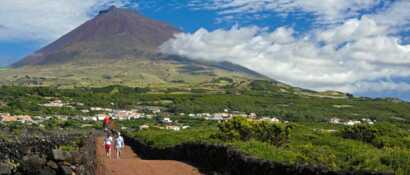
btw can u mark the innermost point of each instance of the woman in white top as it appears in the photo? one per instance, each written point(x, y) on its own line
point(108, 141)
point(119, 145)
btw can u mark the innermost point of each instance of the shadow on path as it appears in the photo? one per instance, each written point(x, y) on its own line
point(131, 164)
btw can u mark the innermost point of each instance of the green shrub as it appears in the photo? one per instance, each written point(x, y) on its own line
point(317, 155)
point(275, 134)
point(398, 158)
point(240, 128)
point(236, 129)
point(363, 132)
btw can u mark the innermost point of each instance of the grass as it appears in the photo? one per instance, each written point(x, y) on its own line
point(3, 68)
point(132, 72)
point(69, 148)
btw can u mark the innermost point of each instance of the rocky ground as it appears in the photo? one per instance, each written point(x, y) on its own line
point(48, 154)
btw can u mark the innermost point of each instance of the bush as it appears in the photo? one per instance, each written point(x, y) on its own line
point(363, 132)
point(243, 129)
point(236, 129)
point(275, 134)
point(261, 85)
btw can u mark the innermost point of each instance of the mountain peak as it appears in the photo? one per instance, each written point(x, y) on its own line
point(114, 33)
point(111, 8)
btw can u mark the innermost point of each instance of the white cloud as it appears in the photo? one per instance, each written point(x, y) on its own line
point(45, 20)
point(327, 11)
point(397, 17)
point(356, 56)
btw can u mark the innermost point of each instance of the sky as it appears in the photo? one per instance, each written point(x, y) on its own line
point(355, 46)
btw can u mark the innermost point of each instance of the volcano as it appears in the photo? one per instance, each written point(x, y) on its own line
point(114, 33)
point(118, 46)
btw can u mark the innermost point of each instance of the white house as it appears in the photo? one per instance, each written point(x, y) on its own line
point(252, 115)
point(135, 116)
point(142, 127)
point(174, 128)
point(335, 121)
point(166, 120)
point(85, 111)
point(352, 122)
point(216, 118)
point(55, 103)
point(268, 119)
point(96, 109)
point(274, 120)
point(368, 121)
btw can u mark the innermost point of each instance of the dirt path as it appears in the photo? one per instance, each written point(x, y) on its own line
point(131, 164)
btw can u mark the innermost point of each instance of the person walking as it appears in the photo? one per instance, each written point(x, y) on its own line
point(106, 122)
point(119, 145)
point(108, 142)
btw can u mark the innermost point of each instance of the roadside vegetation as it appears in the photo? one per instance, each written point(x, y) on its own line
point(334, 147)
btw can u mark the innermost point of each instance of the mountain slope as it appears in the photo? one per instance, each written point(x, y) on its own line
point(114, 33)
point(118, 46)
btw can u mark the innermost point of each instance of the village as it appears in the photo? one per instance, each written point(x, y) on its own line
point(96, 114)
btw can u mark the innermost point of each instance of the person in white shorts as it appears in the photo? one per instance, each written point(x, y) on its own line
point(119, 145)
point(108, 142)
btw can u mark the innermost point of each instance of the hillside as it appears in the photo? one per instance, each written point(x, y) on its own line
point(129, 72)
point(118, 46)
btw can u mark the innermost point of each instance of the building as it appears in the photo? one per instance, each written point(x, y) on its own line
point(352, 122)
point(127, 115)
point(55, 103)
point(152, 109)
point(85, 111)
point(174, 128)
point(274, 120)
point(223, 115)
point(89, 118)
point(96, 109)
point(252, 115)
point(368, 121)
point(215, 118)
point(269, 119)
point(17, 118)
point(166, 120)
point(142, 127)
point(335, 121)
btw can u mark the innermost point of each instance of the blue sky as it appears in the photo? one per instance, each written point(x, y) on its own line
point(361, 47)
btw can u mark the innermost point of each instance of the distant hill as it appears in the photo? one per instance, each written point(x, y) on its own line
point(118, 46)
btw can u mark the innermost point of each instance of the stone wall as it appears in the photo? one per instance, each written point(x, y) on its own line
point(39, 154)
point(219, 159)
